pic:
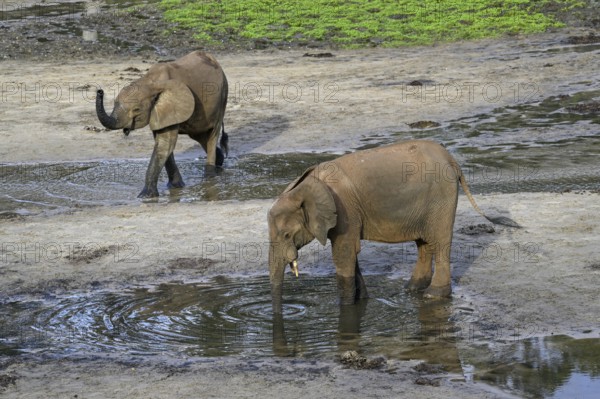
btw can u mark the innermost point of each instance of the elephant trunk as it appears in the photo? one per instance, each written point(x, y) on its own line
point(107, 121)
point(277, 271)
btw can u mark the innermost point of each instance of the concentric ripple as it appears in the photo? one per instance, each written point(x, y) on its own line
point(220, 317)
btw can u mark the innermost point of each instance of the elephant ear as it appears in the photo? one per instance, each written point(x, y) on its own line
point(317, 202)
point(175, 104)
point(297, 180)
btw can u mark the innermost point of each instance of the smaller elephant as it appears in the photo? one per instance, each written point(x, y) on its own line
point(185, 96)
point(401, 192)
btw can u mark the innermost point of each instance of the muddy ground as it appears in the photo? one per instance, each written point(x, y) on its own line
point(543, 277)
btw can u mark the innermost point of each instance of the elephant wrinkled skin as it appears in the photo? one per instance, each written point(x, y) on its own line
point(185, 96)
point(401, 192)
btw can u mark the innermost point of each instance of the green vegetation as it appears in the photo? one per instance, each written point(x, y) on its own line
point(357, 23)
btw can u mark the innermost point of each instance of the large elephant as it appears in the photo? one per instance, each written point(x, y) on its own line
point(401, 192)
point(185, 96)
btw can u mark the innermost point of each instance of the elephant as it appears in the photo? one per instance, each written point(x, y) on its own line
point(185, 96)
point(407, 191)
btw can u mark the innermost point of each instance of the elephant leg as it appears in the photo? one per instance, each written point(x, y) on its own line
point(220, 157)
point(440, 283)
point(350, 284)
point(211, 165)
point(346, 289)
point(361, 287)
point(421, 276)
point(214, 155)
point(175, 179)
point(164, 144)
point(211, 146)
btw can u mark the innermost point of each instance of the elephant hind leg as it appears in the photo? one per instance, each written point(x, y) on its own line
point(214, 155)
point(220, 157)
point(440, 286)
point(175, 179)
point(423, 271)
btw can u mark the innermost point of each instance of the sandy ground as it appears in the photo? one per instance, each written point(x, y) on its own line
point(543, 277)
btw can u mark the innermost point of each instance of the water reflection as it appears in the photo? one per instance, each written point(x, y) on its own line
point(544, 367)
point(425, 332)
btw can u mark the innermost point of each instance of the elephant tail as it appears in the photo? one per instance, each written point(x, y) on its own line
point(224, 143)
point(502, 220)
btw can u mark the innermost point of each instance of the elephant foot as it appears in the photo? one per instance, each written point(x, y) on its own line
point(176, 184)
point(211, 170)
point(148, 193)
point(416, 285)
point(351, 289)
point(438, 292)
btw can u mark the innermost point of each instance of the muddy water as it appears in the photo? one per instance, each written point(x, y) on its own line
point(227, 316)
point(59, 187)
point(224, 316)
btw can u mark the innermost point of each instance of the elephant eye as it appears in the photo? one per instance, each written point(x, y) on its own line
point(287, 235)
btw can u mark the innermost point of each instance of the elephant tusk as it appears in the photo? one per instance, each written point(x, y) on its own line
point(294, 266)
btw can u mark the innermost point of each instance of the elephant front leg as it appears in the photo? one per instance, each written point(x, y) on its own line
point(350, 282)
point(164, 144)
point(361, 287)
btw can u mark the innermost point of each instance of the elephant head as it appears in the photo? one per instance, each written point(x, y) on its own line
point(305, 211)
point(160, 104)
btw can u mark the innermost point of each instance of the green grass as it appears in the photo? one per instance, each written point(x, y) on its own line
point(357, 23)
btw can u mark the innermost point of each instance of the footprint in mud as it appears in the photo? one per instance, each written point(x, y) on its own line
point(586, 108)
point(6, 380)
point(8, 215)
point(191, 263)
point(591, 38)
point(427, 369)
point(88, 253)
point(424, 124)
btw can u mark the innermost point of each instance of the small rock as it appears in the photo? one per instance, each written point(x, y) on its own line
point(318, 55)
point(427, 381)
point(358, 362)
point(477, 229)
point(424, 124)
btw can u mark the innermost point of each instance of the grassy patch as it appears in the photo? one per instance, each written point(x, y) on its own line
point(357, 23)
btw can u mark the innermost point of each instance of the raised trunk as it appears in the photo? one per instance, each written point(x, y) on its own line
point(107, 120)
point(277, 271)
